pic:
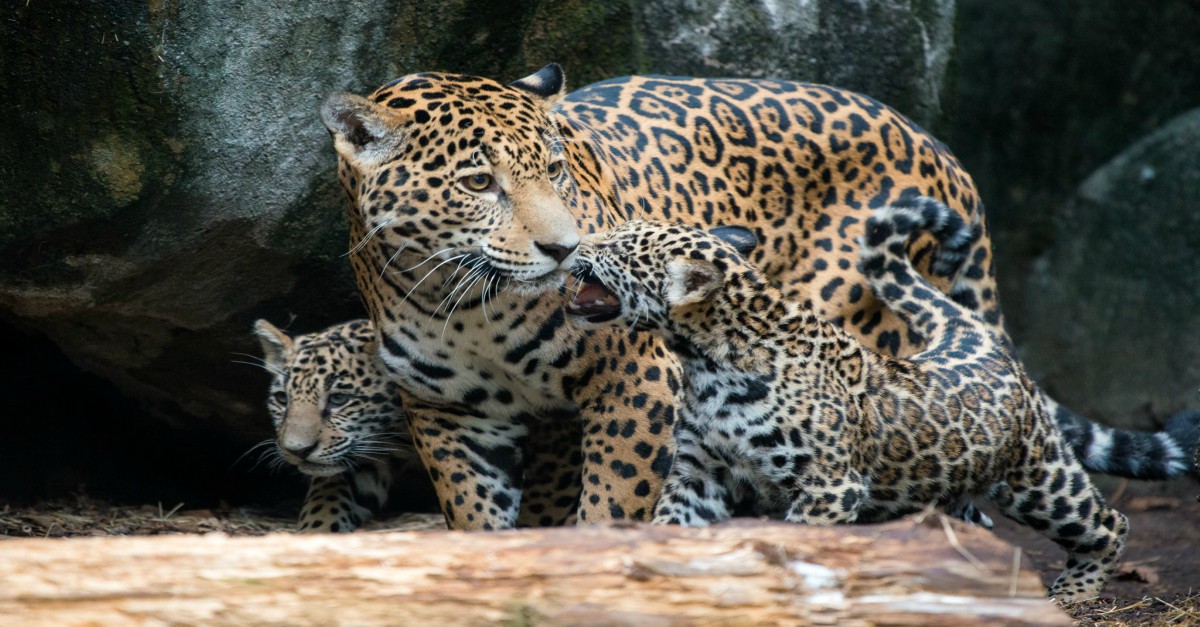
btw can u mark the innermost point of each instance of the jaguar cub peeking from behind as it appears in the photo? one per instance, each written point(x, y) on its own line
point(338, 419)
point(788, 415)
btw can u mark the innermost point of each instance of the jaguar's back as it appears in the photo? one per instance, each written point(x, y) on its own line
point(803, 165)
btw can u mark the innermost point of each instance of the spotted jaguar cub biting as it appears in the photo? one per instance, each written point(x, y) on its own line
point(788, 415)
point(338, 419)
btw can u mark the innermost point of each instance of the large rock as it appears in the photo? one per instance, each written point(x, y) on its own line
point(1045, 92)
point(1114, 304)
point(166, 180)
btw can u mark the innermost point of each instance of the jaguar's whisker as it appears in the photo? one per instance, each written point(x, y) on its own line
point(461, 280)
point(475, 268)
point(427, 259)
point(449, 315)
point(461, 260)
point(259, 363)
point(363, 242)
point(487, 285)
point(391, 259)
point(266, 442)
point(434, 269)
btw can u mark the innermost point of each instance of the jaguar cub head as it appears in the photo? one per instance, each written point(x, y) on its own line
point(461, 170)
point(331, 399)
point(654, 275)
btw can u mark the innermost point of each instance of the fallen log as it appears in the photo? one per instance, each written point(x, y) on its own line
point(911, 572)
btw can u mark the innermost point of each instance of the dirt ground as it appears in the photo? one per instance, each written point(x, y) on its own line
point(1158, 584)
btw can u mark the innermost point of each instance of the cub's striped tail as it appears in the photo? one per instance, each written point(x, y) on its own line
point(885, 262)
point(1136, 454)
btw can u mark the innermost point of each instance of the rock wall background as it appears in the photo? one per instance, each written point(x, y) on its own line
point(1096, 234)
point(165, 180)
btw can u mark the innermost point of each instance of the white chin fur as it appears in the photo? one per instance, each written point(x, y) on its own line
point(535, 285)
point(320, 470)
point(580, 322)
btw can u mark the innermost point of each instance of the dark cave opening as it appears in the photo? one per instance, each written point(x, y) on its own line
point(69, 432)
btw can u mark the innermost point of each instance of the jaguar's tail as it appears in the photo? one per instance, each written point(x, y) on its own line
point(890, 273)
point(1134, 454)
point(885, 262)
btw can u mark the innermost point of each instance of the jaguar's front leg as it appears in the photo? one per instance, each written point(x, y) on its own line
point(696, 493)
point(330, 506)
point(373, 483)
point(474, 463)
point(628, 408)
point(827, 494)
point(550, 490)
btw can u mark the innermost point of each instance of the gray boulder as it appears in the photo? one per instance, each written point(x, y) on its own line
point(1046, 92)
point(165, 179)
point(1113, 308)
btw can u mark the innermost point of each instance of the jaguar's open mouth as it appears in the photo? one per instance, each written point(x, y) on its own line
point(593, 301)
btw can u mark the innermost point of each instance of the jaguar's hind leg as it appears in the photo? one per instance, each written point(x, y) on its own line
point(1054, 495)
point(1090, 567)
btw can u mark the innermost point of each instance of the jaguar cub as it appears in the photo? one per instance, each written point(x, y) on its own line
point(338, 419)
point(788, 415)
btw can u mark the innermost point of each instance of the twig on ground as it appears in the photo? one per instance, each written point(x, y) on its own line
point(953, 539)
point(1016, 571)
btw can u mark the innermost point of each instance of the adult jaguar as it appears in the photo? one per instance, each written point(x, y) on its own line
point(466, 198)
point(338, 419)
point(789, 416)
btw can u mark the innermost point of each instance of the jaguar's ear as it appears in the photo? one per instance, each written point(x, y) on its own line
point(548, 84)
point(362, 131)
point(740, 237)
point(276, 345)
point(691, 281)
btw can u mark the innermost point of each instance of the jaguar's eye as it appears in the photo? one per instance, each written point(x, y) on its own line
point(555, 170)
point(476, 182)
point(280, 397)
point(337, 399)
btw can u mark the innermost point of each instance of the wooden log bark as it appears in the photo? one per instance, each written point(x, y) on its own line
point(746, 572)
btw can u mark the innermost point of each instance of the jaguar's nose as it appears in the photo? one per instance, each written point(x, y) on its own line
point(557, 252)
point(299, 450)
